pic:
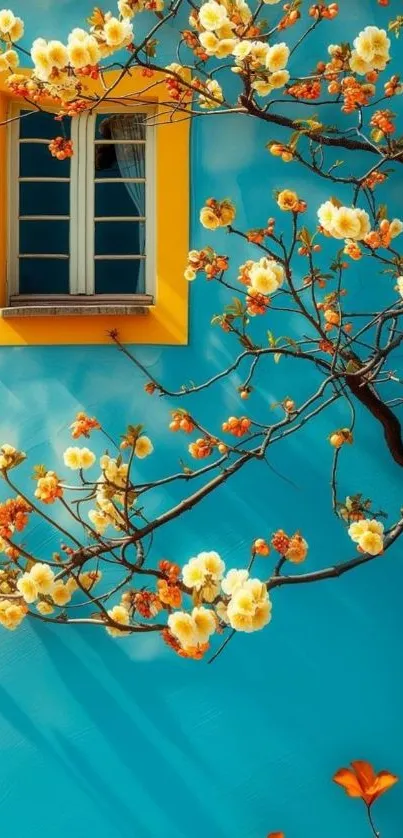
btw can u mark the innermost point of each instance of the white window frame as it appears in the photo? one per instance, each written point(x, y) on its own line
point(82, 204)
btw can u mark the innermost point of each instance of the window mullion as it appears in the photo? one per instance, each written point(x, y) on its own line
point(75, 273)
point(90, 205)
point(150, 211)
point(13, 266)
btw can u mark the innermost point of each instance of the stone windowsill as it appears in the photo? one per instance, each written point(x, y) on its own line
point(70, 311)
point(73, 305)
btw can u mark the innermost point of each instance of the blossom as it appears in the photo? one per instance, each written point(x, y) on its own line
point(368, 535)
point(233, 580)
point(372, 46)
point(44, 607)
point(266, 276)
point(7, 21)
point(99, 520)
point(10, 457)
point(57, 54)
point(17, 30)
point(361, 781)
point(344, 222)
point(209, 219)
point(371, 542)
point(120, 615)
point(279, 79)
point(203, 574)
point(11, 614)
point(205, 622)
point(216, 95)
point(88, 579)
point(297, 549)
point(249, 608)
point(118, 32)
point(212, 15)
point(60, 593)
point(287, 199)
point(27, 587)
point(143, 447)
point(277, 57)
point(399, 285)
point(78, 458)
point(48, 488)
point(192, 629)
point(183, 627)
point(43, 577)
point(395, 228)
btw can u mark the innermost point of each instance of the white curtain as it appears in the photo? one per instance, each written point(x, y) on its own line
point(131, 162)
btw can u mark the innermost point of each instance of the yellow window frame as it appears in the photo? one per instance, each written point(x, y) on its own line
point(167, 320)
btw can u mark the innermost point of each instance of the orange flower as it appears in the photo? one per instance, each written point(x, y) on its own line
point(169, 594)
point(361, 781)
point(276, 835)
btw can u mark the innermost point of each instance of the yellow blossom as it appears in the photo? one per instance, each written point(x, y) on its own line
point(118, 614)
point(143, 447)
point(27, 587)
point(212, 15)
point(44, 607)
point(7, 21)
point(43, 577)
point(277, 57)
point(60, 593)
point(371, 542)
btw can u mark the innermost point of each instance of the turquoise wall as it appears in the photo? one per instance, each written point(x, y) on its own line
point(122, 738)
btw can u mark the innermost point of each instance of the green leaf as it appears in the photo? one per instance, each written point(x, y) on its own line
point(277, 357)
point(272, 339)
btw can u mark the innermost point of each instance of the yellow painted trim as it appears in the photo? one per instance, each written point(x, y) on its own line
point(167, 321)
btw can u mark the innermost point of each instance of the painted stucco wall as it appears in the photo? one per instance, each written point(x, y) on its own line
point(122, 738)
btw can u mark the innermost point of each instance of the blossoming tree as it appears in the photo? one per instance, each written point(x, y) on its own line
point(351, 353)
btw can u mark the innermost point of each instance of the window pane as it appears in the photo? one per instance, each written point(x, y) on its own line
point(44, 276)
point(119, 199)
point(43, 126)
point(37, 161)
point(119, 238)
point(44, 198)
point(119, 277)
point(44, 237)
point(121, 126)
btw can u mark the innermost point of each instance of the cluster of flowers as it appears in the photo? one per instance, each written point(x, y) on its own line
point(61, 148)
point(11, 31)
point(368, 535)
point(39, 585)
point(216, 214)
point(83, 425)
point(289, 201)
point(371, 51)
point(14, 514)
point(265, 276)
point(343, 222)
point(205, 260)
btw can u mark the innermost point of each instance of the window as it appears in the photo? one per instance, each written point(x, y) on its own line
point(97, 242)
point(85, 225)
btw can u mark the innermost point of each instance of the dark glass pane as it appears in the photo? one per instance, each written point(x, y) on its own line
point(44, 276)
point(119, 161)
point(119, 277)
point(37, 161)
point(119, 238)
point(44, 198)
point(44, 237)
point(43, 125)
point(120, 126)
point(119, 199)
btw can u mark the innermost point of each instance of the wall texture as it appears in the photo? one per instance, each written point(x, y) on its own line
point(122, 738)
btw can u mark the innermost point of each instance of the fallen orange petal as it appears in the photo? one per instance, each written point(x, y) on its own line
point(346, 778)
point(276, 835)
